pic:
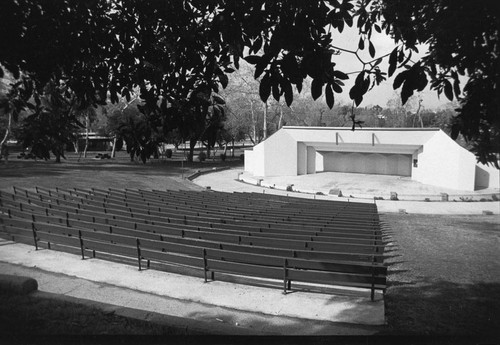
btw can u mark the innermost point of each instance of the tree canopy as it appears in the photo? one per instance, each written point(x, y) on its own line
point(181, 52)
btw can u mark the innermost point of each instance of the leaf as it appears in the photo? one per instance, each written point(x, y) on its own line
point(336, 87)
point(365, 85)
point(348, 20)
point(236, 60)
point(316, 88)
point(126, 93)
point(224, 80)
point(218, 99)
point(355, 94)
point(287, 87)
point(113, 97)
point(407, 91)
point(330, 98)
point(257, 44)
point(299, 87)
point(252, 59)
point(358, 90)
point(448, 90)
point(340, 75)
point(265, 88)
point(456, 87)
point(408, 58)
point(421, 82)
point(371, 49)
point(289, 66)
point(341, 26)
point(261, 65)
point(393, 60)
point(400, 78)
point(361, 43)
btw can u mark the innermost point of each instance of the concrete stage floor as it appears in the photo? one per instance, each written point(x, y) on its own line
point(359, 188)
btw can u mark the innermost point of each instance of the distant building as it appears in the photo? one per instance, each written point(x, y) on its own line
point(426, 155)
point(96, 142)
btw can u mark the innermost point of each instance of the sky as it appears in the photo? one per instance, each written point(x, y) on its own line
point(381, 94)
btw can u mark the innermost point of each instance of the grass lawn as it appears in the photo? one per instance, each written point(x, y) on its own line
point(443, 275)
point(105, 173)
point(444, 271)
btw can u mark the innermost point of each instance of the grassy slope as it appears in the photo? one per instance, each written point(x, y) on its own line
point(444, 275)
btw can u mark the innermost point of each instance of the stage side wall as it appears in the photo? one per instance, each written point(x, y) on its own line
point(280, 156)
point(487, 176)
point(444, 163)
point(254, 161)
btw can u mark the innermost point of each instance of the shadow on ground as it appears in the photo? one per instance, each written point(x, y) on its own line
point(443, 308)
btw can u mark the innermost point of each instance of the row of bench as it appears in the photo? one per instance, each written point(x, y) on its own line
point(367, 240)
point(137, 224)
point(215, 209)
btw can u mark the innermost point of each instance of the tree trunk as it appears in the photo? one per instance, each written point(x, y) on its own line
point(281, 116)
point(113, 150)
point(254, 123)
point(208, 150)
point(87, 124)
point(57, 153)
point(225, 147)
point(192, 144)
point(4, 151)
point(264, 127)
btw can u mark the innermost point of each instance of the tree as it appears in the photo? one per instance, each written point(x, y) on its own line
point(181, 46)
point(463, 39)
point(53, 125)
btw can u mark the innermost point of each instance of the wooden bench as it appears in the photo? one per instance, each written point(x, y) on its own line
point(138, 230)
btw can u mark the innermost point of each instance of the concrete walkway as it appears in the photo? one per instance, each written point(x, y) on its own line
point(358, 188)
point(220, 306)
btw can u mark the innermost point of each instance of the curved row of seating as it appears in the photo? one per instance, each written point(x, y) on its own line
point(244, 234)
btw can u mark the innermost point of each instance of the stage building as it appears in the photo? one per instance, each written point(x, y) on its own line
point(426, 155)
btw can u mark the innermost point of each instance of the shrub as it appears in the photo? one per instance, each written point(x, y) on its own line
point(494, 197)
point(202, 156)
point(289, 188)
point(168, 153)
point(223, 157)
point(466, 199)
point(242, 157)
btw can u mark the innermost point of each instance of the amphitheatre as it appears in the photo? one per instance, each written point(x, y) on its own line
point(208, 248)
